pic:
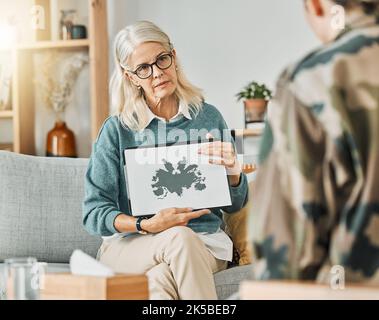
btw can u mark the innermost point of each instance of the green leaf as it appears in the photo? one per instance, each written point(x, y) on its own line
point(254, 90)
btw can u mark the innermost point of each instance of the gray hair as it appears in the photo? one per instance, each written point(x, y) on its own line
point(127, 100)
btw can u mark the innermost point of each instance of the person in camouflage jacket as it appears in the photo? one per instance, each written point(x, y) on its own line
point(316, 195)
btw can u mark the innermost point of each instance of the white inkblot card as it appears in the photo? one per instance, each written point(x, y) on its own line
point(161, 177)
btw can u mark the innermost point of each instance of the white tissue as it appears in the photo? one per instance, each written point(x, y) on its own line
point(83, 264)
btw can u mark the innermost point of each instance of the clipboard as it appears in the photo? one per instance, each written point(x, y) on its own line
point(173, 175)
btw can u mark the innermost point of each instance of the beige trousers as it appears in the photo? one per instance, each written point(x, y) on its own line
point(176, 262)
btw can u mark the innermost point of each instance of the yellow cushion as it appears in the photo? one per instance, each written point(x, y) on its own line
point(236, 226)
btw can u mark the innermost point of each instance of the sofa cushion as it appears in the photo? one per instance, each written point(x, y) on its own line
point(40, 208)
point(227, 281)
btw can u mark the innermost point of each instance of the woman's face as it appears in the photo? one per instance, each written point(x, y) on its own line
point(161, 83)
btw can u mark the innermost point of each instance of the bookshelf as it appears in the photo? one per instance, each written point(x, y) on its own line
point(6, 114)
point(6, 146)
point(61, 44)
point(22, 114)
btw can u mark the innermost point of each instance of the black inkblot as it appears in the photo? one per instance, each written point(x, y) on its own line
point(176, 180)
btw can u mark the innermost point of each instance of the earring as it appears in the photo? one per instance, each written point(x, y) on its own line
point(176, 68)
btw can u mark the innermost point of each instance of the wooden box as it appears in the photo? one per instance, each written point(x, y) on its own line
point(65, 286)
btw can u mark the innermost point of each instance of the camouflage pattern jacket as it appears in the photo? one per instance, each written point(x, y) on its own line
point(316, 196)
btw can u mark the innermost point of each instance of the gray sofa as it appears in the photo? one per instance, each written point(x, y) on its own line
point(40, 214)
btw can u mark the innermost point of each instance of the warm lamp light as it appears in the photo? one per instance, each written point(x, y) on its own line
point(7, 36)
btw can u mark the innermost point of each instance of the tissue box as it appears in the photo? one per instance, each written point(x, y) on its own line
point(62, 286)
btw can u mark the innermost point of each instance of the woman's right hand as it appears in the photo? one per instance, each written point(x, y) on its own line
point(171, 217)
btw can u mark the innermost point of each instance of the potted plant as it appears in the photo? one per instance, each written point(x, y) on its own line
point(255, 97)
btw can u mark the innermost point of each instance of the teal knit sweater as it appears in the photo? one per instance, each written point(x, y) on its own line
point(105, 187)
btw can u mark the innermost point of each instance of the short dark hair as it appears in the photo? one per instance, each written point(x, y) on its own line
point(368, 6)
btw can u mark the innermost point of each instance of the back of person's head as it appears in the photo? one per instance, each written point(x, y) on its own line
point(127, 100)
point(321, 14)
point(368, 6)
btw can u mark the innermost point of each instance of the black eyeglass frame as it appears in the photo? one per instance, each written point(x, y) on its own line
point(152, 64)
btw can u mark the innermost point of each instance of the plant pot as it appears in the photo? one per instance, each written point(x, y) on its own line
point(255, 109)
point(60, 141)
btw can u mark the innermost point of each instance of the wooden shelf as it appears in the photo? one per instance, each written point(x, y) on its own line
point(253, 121)
point(253, 132)
point(5, 114)
point(6, 146)
point(61, 44)
point(23, 89)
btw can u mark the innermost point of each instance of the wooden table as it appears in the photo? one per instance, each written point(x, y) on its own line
point(293, 290)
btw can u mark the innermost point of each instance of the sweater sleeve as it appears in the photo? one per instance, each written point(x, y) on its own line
point(239, 196)
point(100, 205)
point(239, 193)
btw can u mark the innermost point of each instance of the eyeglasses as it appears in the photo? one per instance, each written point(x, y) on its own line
point(145, 70)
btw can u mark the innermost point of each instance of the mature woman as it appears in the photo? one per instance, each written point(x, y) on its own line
point(178, 248)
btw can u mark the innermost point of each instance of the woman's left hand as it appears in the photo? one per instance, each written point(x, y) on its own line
point(226, 156)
